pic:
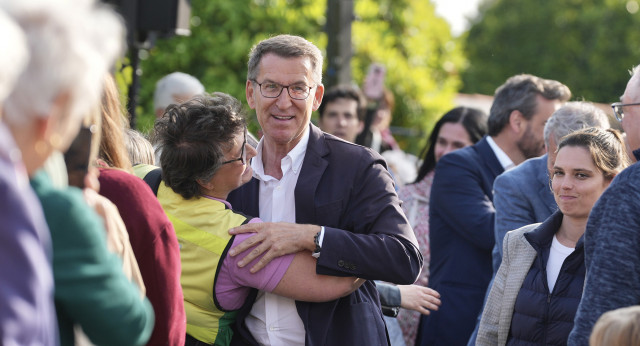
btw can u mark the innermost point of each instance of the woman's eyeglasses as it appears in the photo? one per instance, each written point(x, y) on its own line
point(243, 153)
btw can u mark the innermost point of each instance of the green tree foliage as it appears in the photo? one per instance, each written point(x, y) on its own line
point(587, 44)
point(421, 57)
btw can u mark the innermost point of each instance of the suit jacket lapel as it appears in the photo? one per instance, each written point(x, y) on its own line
point(251, 198)
point(313, 168)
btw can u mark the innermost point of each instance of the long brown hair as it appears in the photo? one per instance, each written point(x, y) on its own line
point(112, 147)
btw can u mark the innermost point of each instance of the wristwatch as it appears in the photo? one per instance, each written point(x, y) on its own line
point(316, 240)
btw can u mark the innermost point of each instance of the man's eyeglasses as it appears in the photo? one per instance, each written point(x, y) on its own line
point(617, 109)
point(273, 90)
point(243, 153)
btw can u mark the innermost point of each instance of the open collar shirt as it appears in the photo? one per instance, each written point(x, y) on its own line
point(504, 159)
point(273, 319)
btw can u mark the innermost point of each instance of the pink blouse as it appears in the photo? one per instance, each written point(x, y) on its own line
point(415, 205)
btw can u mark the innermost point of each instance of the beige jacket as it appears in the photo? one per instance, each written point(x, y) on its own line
point(498, 310)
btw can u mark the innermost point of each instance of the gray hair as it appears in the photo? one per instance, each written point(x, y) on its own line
point(139, 148)
point(574, 116)
point(286, 46)
point(519, 93)
point(175, 83)
point(72, 44)
point(14, 54)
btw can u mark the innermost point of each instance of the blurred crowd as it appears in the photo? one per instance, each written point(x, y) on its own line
point(517, 227)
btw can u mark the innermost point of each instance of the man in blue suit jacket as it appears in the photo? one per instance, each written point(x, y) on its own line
point(324, 181)
point(462, 212)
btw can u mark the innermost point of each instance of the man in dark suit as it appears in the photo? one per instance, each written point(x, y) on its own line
point(339, 194)
point(462, 213)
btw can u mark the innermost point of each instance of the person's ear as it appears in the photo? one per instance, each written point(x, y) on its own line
point(249, 91)
point(317, 96)
point(58, 124)
point(517, 121)
point(206, 185)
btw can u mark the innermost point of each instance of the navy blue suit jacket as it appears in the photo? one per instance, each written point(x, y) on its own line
point(461, 220)
point(346, 188)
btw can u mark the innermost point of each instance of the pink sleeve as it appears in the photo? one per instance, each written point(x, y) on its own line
point(234, 283)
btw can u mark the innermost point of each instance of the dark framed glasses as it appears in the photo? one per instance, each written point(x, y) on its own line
point(243, 153)
point(618, 111)
point(273, 90)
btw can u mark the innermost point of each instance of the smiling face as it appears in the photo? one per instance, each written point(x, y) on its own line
point(577, 183)
point(452, 136)
point(233, 174)
point(283, 119)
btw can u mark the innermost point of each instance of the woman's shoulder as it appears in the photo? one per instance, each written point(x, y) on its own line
point(518, 234)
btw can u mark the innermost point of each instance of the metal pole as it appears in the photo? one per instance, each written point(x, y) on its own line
point(135, 85)
point(338, 27)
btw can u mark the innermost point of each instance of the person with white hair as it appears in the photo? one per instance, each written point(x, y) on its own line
point(26, 288)
point(175, 87)
point(72, 44)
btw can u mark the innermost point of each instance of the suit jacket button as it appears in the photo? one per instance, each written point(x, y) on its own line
point(340, 263)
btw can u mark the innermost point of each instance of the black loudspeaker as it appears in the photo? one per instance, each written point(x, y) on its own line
point(164, 16)
point(160, 17)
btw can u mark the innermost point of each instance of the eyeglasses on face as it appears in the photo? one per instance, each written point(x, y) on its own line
point(273, 90)
point(617, 109)
point(243, 153)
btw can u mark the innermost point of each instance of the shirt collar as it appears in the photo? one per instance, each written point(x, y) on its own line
point(294, 157)
point(503, 158)
point(219, 200)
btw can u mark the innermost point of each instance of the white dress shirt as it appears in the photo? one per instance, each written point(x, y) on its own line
point(504, 159)
point(273, 319)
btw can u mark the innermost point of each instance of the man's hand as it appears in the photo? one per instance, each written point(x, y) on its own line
point(419, 298)
point(275, 238)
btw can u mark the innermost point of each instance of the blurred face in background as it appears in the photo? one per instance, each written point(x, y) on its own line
point(531, 144)
point(452, 136)
point(340, 118)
